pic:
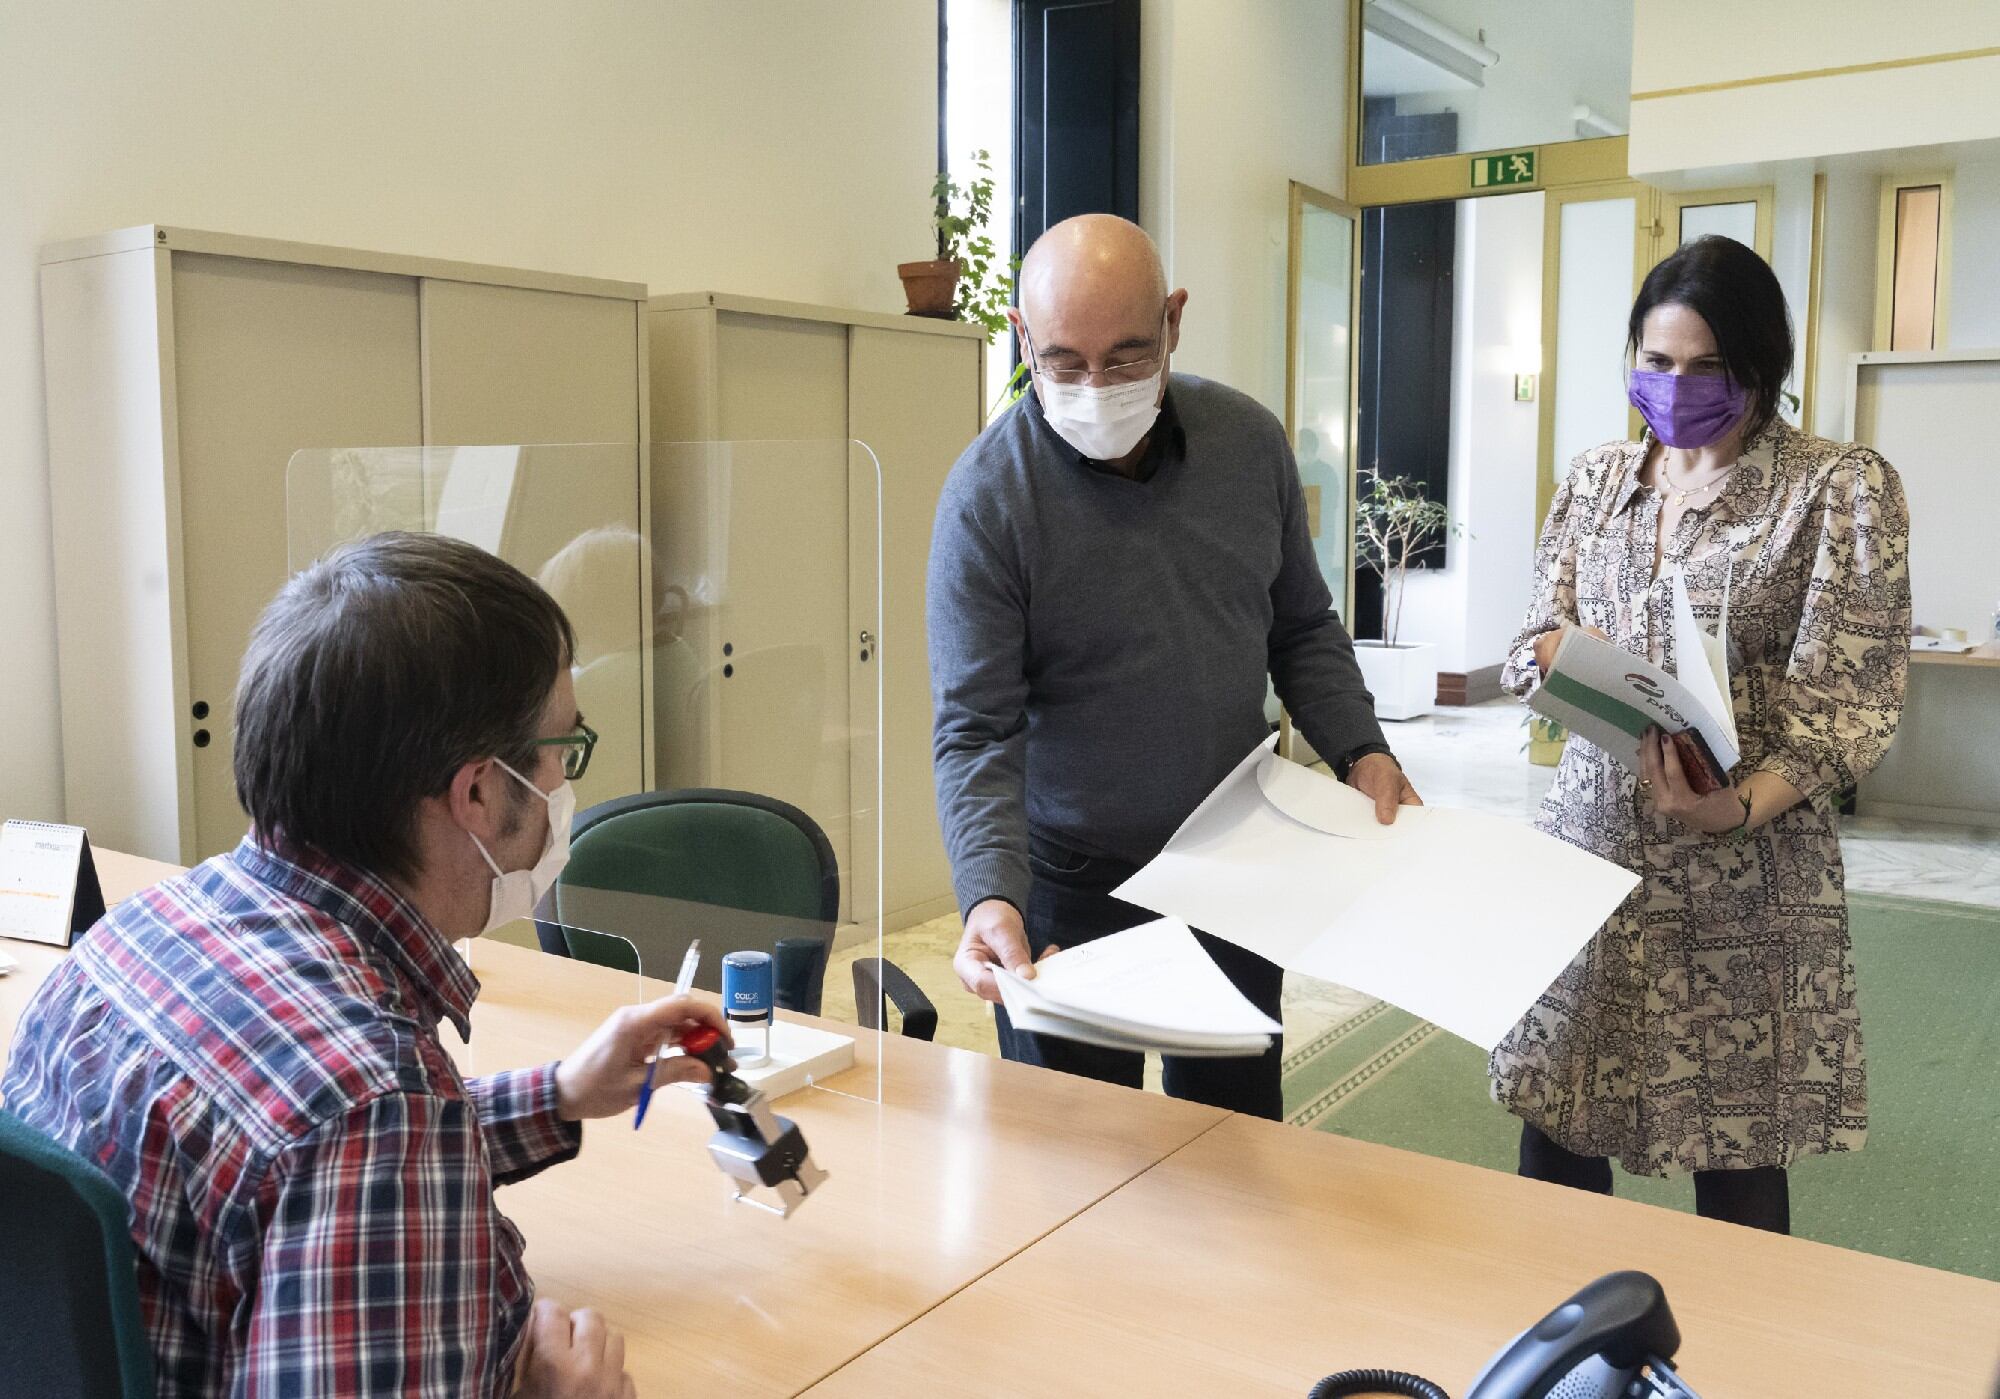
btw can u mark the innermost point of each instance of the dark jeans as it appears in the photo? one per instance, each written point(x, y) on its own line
point(1760, 1198)
point(1069, 904)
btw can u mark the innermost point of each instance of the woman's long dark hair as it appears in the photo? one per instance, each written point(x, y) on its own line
point(1735, 291)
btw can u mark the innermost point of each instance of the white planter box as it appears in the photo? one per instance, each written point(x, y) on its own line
point(1403, 678)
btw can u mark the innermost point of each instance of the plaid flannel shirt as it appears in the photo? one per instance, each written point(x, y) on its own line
point(250, 1051)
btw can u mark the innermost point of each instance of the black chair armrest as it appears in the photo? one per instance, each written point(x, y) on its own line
point(877, 977)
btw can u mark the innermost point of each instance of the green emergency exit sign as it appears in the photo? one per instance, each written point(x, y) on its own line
point(1511, 168)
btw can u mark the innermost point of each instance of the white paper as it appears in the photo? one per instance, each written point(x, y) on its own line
point(1702, 661)
point(1148, 987)
point(1332, 807)
point(38, 868)
point(1456, 916)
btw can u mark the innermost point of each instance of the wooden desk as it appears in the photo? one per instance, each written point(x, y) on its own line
point(965, 1162)
point(1987, 654)
point(1945, 762)
point(1260, 1257)
point(120, 876)
point(992, 1228)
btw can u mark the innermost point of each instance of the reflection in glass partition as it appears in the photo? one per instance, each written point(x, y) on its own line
point(567, 515)
point(768, 679)
point(727, 607)
point(1440, 77)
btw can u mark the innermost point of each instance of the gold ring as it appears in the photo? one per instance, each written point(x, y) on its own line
point(1645, 784)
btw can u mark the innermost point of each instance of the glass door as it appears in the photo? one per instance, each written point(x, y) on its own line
point(1323, 269)
point(1599, 242)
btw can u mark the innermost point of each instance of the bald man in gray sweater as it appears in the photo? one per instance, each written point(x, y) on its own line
point(1119, 561)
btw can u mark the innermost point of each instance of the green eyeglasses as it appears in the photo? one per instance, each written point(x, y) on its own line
point(577, 748)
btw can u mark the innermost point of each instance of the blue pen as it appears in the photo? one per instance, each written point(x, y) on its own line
point(681, 984)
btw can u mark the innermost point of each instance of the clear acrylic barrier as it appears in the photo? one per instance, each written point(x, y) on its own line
point(727, 607)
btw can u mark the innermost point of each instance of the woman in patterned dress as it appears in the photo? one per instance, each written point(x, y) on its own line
point(1711, 1025)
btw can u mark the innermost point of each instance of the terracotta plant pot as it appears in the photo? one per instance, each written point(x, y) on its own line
point(930, 286)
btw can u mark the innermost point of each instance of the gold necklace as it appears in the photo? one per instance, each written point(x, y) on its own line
point(1681, 494)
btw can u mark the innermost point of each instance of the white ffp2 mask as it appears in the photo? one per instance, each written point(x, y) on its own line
point(1103, 423)
point(516, 892)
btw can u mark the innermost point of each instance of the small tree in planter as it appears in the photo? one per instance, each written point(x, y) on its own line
point(1393, 522)
point(967, 281)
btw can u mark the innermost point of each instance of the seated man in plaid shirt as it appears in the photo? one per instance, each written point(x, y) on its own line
point(250, 1051)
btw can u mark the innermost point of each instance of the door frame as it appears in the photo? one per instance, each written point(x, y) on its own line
point(1645, 235)
point(1655, 234)
point(1301, 196)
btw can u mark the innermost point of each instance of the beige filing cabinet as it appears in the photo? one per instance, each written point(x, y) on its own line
point(745, 371)
point(184, 369)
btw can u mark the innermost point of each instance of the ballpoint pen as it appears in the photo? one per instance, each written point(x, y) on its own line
point(682, 983)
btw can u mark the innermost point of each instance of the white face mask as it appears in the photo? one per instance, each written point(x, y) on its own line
point(1103, 423)
point(516, 892)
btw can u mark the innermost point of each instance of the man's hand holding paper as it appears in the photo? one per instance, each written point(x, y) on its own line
point(1457, 916)
point(1148, 988)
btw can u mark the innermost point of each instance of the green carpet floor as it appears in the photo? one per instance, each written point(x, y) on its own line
point(1927, 1186)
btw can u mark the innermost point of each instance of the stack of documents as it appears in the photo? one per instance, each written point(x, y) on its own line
point(1148, 988)
point(1457, 916)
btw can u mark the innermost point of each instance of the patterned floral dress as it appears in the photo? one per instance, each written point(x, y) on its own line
point(1711, 1024)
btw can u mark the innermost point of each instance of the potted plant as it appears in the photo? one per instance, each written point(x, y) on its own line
point(1393, 521)
point(962, 282)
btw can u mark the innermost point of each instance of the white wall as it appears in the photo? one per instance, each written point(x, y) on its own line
point(783, 148)
point(1975, 255)
point(1678, 44)
point(1237, 97)
point(1471, 608)
point(1853, 207)
point(1847, 290)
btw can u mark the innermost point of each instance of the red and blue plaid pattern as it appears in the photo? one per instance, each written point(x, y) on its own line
point(250, 1052)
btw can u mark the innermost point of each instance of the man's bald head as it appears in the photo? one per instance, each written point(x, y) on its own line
point(1093, 293)
point(1092, 257)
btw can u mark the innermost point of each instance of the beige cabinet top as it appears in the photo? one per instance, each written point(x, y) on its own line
point(195, 240)
point(805, 311)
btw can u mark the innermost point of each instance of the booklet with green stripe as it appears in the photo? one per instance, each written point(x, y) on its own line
point(1609, 696)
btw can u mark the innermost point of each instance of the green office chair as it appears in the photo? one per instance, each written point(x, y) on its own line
point(727, 850)
point(69, 1283)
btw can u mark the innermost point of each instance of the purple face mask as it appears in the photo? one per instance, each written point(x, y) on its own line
point(1687, 410)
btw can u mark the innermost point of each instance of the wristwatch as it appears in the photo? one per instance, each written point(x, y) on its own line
point(1344, 765)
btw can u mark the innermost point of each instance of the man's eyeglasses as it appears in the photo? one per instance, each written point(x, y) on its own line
point(577, 748)
point(1135, 371)
point(1131, 371)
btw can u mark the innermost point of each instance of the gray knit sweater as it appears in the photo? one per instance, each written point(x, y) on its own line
point(1099, 645)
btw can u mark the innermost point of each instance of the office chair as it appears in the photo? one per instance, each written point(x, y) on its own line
point(878, 980)
point(709, 846)
point(69, 1284)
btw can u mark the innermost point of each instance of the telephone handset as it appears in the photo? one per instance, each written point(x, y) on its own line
point(1612, 1340)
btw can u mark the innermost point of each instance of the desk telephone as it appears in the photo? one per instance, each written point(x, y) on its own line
point(1612, 1340)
